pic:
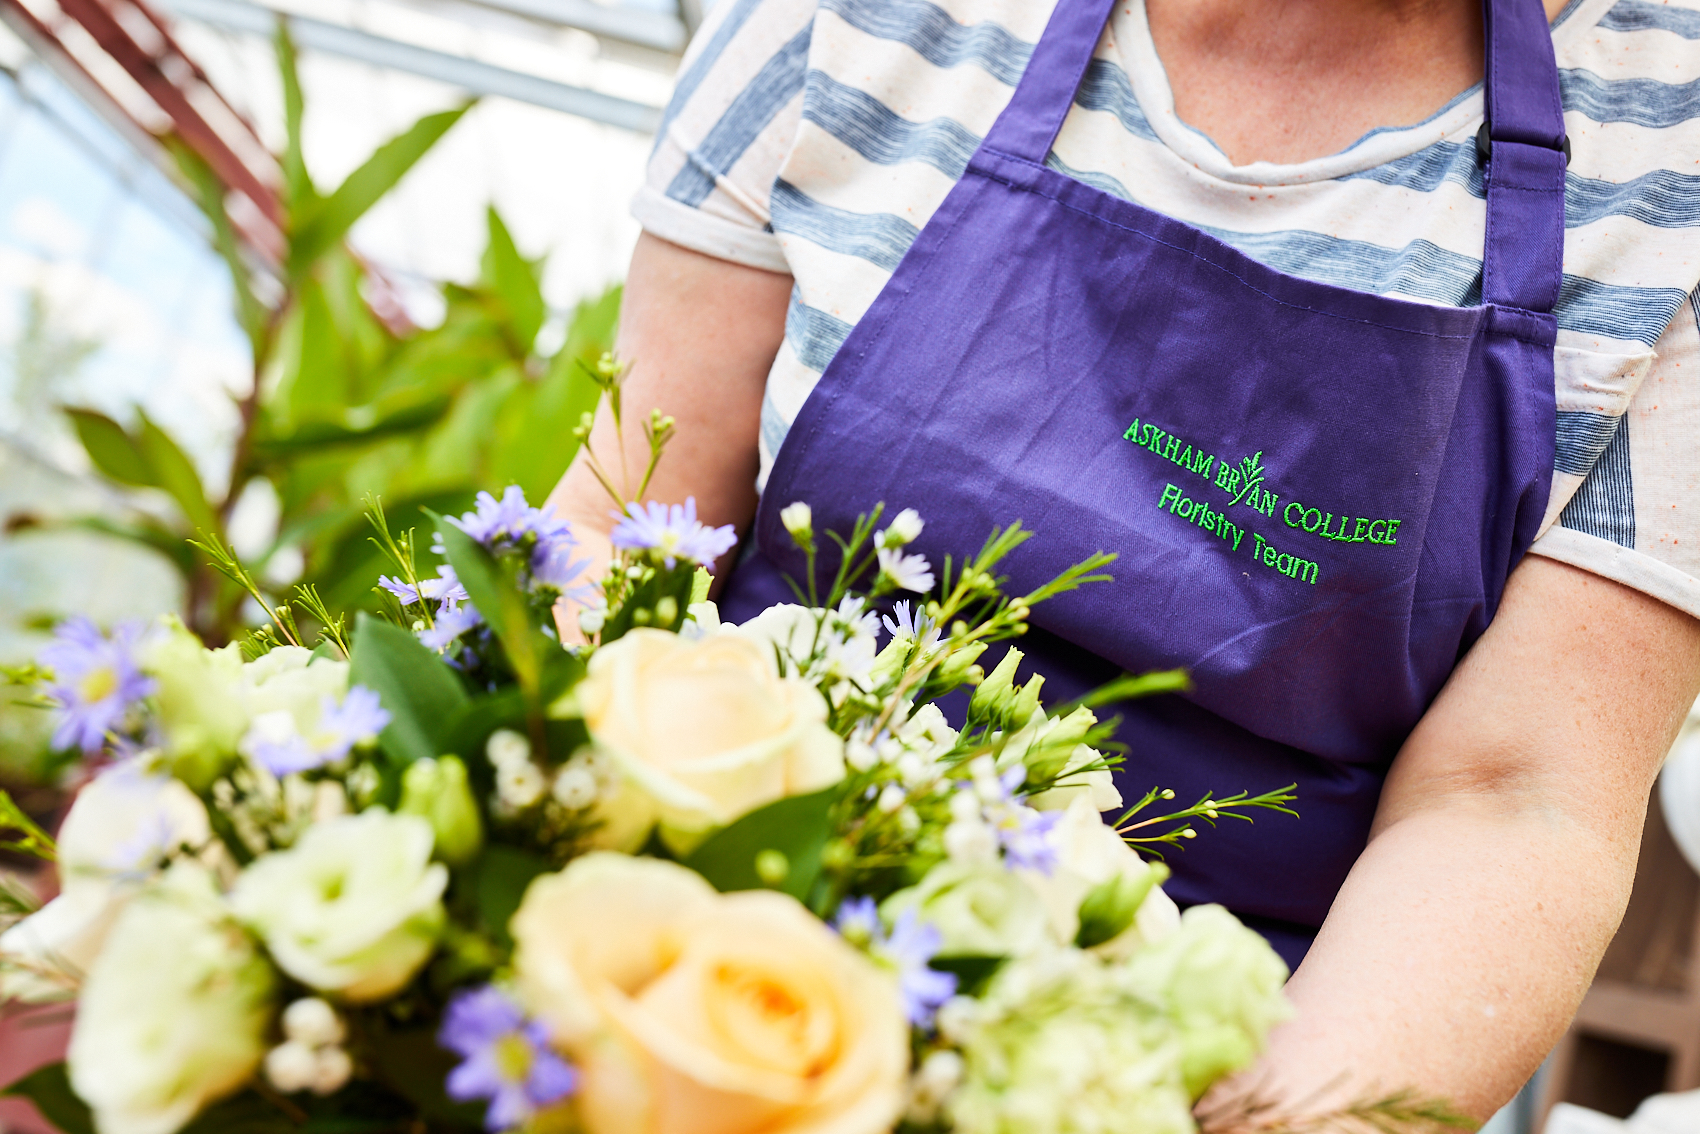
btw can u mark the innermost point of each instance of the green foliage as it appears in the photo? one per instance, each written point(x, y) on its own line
point(49, 1088)
point(20, 834)
point(796, 828)
point(422, 695)
point(345, 404)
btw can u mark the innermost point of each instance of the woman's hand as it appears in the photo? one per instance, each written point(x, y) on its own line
point(1502, 854)
point(700, 335)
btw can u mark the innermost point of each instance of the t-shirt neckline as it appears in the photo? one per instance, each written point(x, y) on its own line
point(1150, 83)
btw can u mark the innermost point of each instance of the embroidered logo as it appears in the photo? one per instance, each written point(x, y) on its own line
point(1246, 483)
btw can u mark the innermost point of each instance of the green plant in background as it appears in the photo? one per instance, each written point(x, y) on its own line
point(346, 405)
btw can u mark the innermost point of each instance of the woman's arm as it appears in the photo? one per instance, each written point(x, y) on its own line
point(1502, 853)
point(700, 335)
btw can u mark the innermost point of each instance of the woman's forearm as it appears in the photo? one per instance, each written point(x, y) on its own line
point(1502, 854)
point(1454, 956)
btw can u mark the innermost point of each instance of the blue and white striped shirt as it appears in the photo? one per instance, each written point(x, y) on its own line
point(816, 137)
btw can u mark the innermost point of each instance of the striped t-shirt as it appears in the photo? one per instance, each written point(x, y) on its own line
point(816, 137)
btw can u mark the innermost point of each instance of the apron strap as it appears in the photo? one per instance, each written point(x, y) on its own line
point(1525, 149)
point(1029, 124)
point(1522, 141)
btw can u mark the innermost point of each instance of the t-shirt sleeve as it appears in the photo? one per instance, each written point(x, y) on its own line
point(730, 124)
point(1633, 509)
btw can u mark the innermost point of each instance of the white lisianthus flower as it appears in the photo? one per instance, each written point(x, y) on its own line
point(174, 1012)
point(354, 908)
point(824, 647)
point(979, 911)
point(1089, 852)
point(199, 702)
point(906, 572)
point(122, 827)
point(292, 679)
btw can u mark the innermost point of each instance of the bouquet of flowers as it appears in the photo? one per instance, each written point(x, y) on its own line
point(444, 871)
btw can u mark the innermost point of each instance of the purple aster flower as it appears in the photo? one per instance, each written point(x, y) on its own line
point(907, 950)
point(95, 680)
point(493, 519)
point(552, 562)
point(858, 919)
point(452, 622)
point(507, 1058)
point(672, 532)
point(906, 620)
point(912, 944)
point(444, 588)
point(275, 745)
point(358, 720)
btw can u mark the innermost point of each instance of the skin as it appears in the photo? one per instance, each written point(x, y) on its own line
point(1504, 846)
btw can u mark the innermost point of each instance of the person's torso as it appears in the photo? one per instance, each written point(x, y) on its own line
point(896, 94)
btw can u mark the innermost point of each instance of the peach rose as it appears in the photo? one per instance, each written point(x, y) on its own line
point(692, 1012)
point(704, 731)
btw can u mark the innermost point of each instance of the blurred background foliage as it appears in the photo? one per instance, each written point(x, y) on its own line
point(349, 400)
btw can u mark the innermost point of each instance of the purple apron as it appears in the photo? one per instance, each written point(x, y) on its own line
point(1315, 494)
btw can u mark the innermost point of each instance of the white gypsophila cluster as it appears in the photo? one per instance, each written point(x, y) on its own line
point(831, 649)
point(267, 812)
point(1062, 1044)
point(521, 784)
point(311, 1056)
point(906, 759)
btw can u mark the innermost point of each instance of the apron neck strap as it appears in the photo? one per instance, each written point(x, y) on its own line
point(1525, 150)
point(1522, 141)
point(1029, 124)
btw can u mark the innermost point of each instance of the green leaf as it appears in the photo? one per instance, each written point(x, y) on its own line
point(49, 1088)
point(113, 451)
point(146, 458)
point(353, 425)
point(210, 192)
point(174, 472)
point(973, 972)
point(1110, 906)
point(515, 281)
point(504, 872)
point(298, 185)
point(243, 1113)
point(797, 828)
point(423, 696)
point(494, 590)
point(380, 173)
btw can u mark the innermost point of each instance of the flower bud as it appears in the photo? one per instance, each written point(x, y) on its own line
point(575, 787)
point(996, 694)
point(332, 1068)
point(291, 1066)
point(799, 520)
point(312, 1022)
point(436, 791)
point(1026, 701)
point(905, 528)
point(506, 747)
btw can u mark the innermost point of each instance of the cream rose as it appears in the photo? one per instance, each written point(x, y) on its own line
point(692, 1012)
point(704, 730)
